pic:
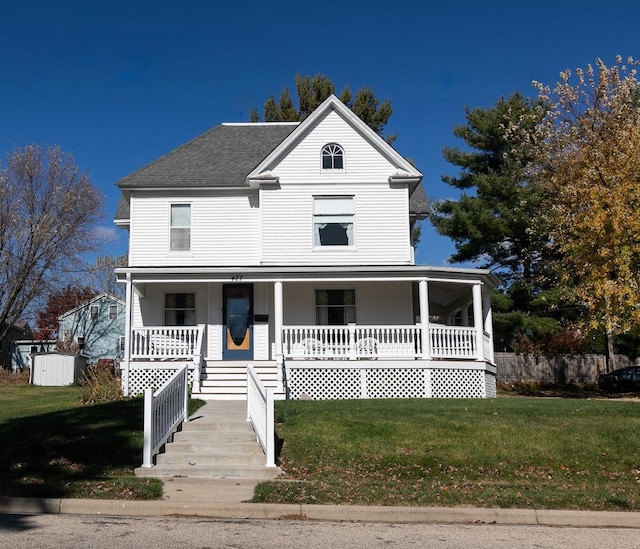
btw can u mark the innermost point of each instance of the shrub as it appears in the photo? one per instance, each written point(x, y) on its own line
point(11, 377)
point(101, 383)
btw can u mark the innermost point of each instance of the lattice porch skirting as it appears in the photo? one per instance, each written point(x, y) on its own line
point(320, 382)
point(144, 376)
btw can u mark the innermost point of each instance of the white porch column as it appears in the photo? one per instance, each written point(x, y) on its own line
point(424, 319)
point(488, 319)
point(478, 320)
point(278, 321)
point(127, 335)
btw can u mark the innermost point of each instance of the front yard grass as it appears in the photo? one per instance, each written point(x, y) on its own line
point(52, 446)
point(547, 453)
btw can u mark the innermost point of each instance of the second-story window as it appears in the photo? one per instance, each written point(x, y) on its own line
point(332, 157)
point(180, 227)
point(333, 221)
point(113, 312)
point(94, 312)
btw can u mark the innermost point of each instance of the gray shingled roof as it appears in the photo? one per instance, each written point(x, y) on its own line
point(221, 157)
point(418, 203)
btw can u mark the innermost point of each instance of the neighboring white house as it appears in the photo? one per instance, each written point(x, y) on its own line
point(288, 246)
point(96, 327)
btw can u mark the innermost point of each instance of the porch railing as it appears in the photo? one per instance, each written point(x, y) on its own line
point(352, 342)
point(362, 342)
point(453, 342)
point(261, 415)
point(164, 411)
point(167, 342)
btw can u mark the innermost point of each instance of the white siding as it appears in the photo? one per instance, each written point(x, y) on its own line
point(381, 231)
point(274, 226)
point(377, 304)
point(362, 162)
point(149, 310)
point(225, 228)
point(261, 330)
point(214, 328)
point(381, 210)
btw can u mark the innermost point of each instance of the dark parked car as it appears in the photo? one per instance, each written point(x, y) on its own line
point(623, 380)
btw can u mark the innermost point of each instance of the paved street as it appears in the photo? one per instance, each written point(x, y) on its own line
point(77, 531)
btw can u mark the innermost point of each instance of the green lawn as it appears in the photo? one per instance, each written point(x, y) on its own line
point(51, 446)
point(505, 452)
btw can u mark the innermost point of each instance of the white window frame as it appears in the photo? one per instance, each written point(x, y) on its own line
point(180, 226)
point(113, 312)
point(323, 309)
point(94, 311)
point(334, 209)
point(183, 316)
point(332, 151)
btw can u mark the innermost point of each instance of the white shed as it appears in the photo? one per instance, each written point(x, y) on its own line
point(57, 369)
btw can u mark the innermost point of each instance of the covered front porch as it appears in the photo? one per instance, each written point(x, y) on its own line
point(402, 332)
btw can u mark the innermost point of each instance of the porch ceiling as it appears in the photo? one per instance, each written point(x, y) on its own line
point(447, 296)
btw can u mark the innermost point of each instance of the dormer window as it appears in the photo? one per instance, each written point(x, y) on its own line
point(332, 157)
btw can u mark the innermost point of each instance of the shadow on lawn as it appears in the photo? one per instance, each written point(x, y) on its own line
point(72, 453)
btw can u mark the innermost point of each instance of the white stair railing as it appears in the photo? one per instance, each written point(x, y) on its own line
point(261, 415)
point(164, 411)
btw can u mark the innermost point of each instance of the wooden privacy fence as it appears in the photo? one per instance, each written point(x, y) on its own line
point(513, 368)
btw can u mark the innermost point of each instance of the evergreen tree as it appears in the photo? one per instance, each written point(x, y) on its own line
point(495, 224)
point(311, 92)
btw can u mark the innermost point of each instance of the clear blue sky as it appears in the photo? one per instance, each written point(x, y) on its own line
point(119, 83)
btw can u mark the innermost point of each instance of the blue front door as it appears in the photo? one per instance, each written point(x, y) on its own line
point(237, 313)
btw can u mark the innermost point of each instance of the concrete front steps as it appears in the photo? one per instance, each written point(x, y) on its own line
point(217, 442)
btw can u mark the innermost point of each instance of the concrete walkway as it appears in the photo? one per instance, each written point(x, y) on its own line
point(226, 499)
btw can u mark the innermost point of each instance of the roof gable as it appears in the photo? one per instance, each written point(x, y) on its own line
point(99, 297)
point(263, 171)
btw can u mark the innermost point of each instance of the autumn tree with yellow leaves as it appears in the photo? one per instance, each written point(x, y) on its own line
point(587, 160)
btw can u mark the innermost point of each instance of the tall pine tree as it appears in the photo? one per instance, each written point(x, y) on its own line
point(494, 221)
point(311, 92)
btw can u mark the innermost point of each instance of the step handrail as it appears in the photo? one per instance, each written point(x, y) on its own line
point(164, 412)
point(260, 412)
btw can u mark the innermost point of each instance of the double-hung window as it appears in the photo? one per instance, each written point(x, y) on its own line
point(180, 228)
point(180, 309)
point(335, 307)
point(333, 221)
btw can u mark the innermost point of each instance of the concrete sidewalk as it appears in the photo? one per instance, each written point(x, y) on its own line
point(226, 499)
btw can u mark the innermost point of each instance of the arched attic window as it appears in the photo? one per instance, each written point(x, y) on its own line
point(332, 157)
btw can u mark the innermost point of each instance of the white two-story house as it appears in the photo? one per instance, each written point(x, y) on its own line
point(288, 246)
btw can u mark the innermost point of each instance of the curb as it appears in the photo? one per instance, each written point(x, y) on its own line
point(332, 513)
